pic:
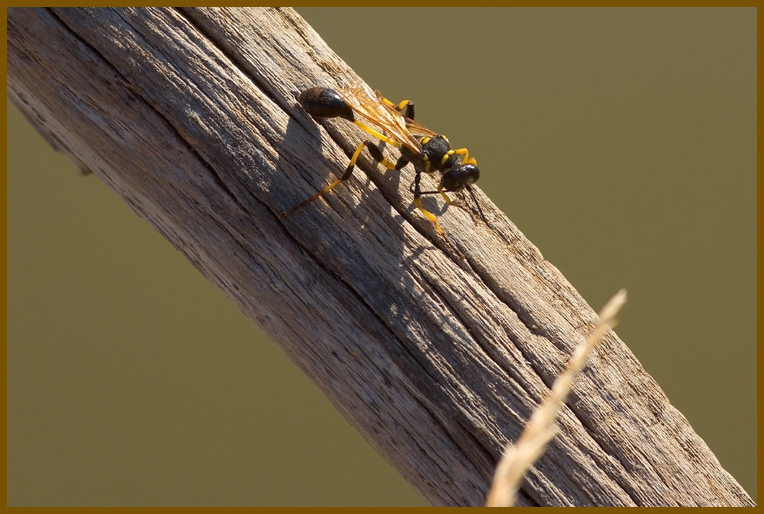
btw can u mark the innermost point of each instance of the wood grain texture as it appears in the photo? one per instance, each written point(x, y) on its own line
point(437, 353)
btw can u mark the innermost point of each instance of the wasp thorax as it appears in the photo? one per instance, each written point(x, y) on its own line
point(438, 153)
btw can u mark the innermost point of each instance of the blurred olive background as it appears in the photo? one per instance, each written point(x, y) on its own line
point(622, 142)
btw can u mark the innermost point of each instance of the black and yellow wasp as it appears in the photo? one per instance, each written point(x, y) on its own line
point(426, 150)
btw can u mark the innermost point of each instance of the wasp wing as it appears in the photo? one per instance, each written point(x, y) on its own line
point(418, 130)
point(377, 112)
point(414, 128)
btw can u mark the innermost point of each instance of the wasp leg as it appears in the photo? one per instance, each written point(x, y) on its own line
point(456, 203)
point(375, 153)
point(446, 198)
point(442, 192)
point(418, 202)
point(466, 154)
point(376, 134)
point(406, 104)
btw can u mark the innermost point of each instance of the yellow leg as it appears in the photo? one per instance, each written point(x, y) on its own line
point(356, 154)
point(325, 190)
point(445, 196)
point(375, 153)
point(429, 215)
point(344, 177)
point(466, 154)
point(349, 171)
point(402, 105)
point(376, 134)
point(398, 107)
point(449, 201)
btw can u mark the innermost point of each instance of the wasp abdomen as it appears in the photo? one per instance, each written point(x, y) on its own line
point(325, 103)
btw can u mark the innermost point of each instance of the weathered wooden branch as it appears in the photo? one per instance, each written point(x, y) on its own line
point(437, 353)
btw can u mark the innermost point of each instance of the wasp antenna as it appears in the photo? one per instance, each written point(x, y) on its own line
point(474, 199)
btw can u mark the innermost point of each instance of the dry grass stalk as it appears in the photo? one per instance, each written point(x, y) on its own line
point(540, 429)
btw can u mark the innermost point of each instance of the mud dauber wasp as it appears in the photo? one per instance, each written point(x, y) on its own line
point(426, 150)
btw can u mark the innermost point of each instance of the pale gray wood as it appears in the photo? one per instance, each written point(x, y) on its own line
point(436, 355)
